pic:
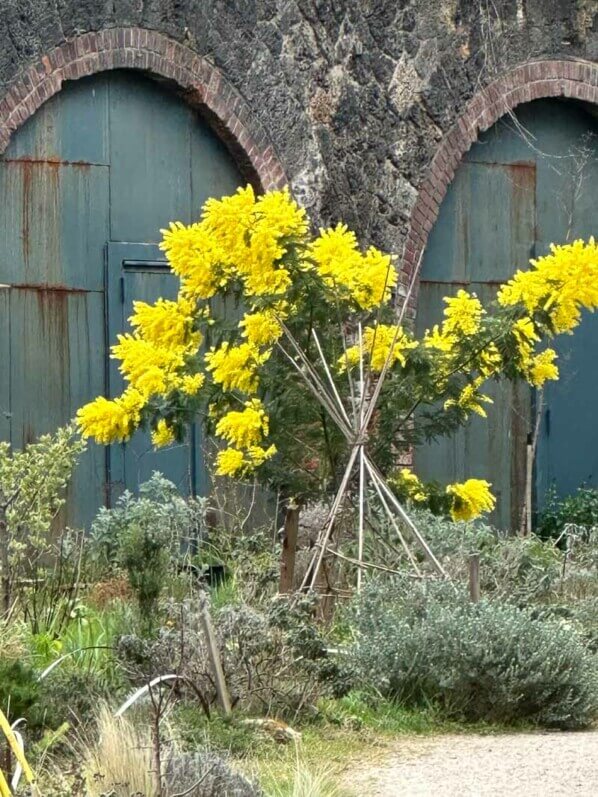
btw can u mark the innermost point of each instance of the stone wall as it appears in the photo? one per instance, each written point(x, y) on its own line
point(348, 100)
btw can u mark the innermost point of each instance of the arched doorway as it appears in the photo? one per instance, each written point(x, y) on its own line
point(85, 186)
point(528, 181)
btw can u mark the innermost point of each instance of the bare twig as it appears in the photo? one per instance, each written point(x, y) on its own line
point(195, 785)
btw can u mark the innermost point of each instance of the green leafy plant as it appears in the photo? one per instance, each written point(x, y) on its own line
point(144, 555)
point(579, 509)
point(32, 484)
point(181, 522)
point(19, 689)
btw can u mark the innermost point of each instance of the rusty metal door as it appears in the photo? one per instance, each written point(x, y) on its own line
point(524, 184)
point(111, 158)
point(495, 198)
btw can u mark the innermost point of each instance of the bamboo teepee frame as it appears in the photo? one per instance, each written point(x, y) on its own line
point(354, 422)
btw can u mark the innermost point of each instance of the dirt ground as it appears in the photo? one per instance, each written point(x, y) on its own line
point(526, 764)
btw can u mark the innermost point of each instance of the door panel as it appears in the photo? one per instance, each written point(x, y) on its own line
point(568, 448)
point(54, 223)
point(468, 243)
point(71, 127)
point(57, 359)
point(150, 137)
point(139, 272)
point(469, 249)
point(213, 173)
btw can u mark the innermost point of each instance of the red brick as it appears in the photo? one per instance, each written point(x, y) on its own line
point(138, 48)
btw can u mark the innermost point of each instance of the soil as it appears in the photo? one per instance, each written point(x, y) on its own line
point(530, 764)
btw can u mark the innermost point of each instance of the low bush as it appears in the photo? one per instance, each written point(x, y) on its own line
point(69, 694)
point(203, 774)
point(581, 615)
point(522, 570)
point(275, 661)
point(476, 662)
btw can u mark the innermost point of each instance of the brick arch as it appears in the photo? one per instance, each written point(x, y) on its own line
point(532, 81)
point(200, 82)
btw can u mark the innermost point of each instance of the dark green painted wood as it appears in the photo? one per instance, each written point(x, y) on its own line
point(109, 158)
point(521, 186)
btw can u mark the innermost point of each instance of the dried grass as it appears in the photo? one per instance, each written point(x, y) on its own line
point(118, 761)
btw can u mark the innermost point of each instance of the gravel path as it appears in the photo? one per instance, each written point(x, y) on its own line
point(526, 764)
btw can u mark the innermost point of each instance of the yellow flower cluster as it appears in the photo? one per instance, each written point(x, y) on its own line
point(111, 421)
point(463, 314)
point(236, 367)
point(261, 328)
point(380, 343)
point(156, 369)
point(162, 435)
point(560, 284)
point(537, 368)
point(153, 360)
point(470, 499)
point(243, 431)
point(408, 483)
point(232, 462)
point(164, 323)
point(368, 278)
point(542, 368)
point(470, 399)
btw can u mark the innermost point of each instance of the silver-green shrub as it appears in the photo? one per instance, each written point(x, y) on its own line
point(495, 662)
point(203, 774)
point(147, 536)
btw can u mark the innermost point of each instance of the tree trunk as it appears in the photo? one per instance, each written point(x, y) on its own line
point(289, 548)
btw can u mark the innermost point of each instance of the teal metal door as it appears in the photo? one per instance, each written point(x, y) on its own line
point(524, 184)
point(140, 272)
point(85, 187)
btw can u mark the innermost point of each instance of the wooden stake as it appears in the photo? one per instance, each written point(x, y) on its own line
point(407, 520)
point(217, 671)
point(289, 548)
point(529, 468)
point(361, 465)
point(474, 577)
point(392, 519)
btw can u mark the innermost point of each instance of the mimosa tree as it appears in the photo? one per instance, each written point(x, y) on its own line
point(320, 384)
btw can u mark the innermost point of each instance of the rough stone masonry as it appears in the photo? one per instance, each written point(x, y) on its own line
point(355, 95)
